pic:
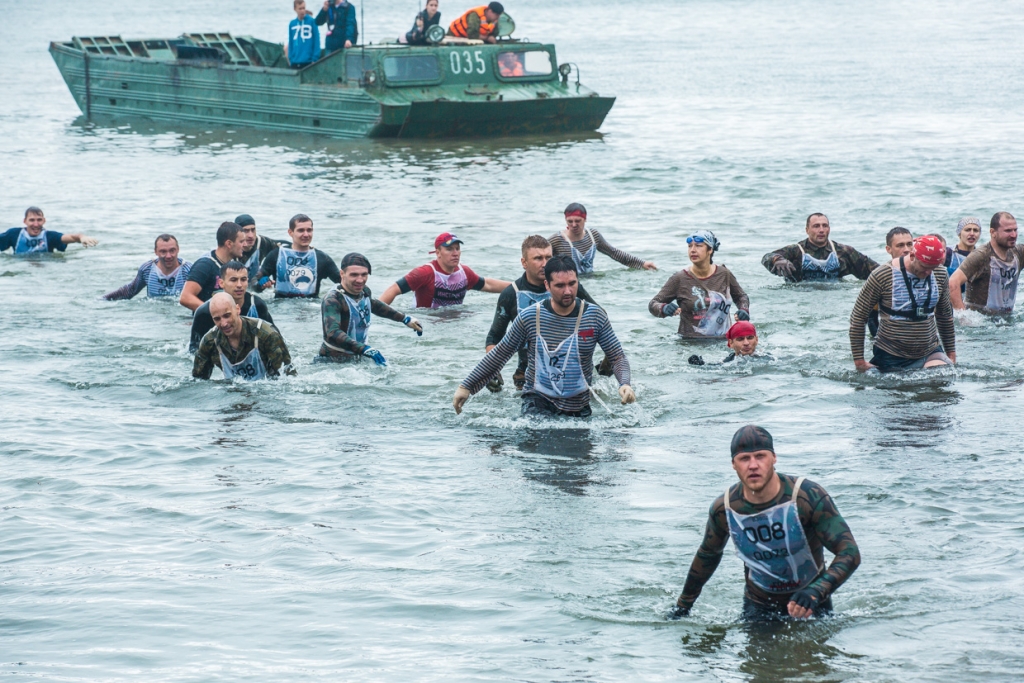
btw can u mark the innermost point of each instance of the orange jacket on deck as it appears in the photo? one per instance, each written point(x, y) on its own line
point(459, 26)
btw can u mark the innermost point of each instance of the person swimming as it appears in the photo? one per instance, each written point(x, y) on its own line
point(742, 342)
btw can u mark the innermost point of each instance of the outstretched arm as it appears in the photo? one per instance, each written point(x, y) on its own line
point(707, 559)
point(132, 288)
point(84, 240)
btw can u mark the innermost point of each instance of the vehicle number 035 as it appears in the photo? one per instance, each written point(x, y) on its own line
point(466, 63)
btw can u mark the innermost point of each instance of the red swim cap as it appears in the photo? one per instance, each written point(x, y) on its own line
point(929, 250)
point(741, 329)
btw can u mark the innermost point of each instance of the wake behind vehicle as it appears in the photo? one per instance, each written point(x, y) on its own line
point(453, 88)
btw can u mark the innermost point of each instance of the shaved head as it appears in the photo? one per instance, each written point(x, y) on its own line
point(221, 302)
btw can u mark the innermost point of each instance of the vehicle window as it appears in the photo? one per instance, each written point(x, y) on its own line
point(356, 65)
point(412, 69)
point(520, 64)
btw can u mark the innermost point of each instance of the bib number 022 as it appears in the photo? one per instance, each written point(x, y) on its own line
point(467, 63)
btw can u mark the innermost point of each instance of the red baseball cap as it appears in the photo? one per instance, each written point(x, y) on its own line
point(929, 250)
point(445, 239)
point(743, 328)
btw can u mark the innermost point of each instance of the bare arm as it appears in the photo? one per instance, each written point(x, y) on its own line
point(389, 294)
point(190, 296)
point(956, 281)
point(494, 286)
point(84, 240)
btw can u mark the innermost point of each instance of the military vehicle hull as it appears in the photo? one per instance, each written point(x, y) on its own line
point(461, 90)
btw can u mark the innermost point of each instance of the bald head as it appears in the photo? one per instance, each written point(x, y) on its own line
point(226, 314)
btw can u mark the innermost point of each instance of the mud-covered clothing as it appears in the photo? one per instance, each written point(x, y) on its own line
point(905, 334)
point(703, 302)
point(273, 351)
point(991, 285)
point(45, 242)
point(851, 261)
point(823, 527)
point(435, 288)
point(205, 272)
point(202, 321)
point(254, 257)
point(151, 278)
point(341, 25)
point(561, 246)
point(335, 312)
point(325, 269)
point(593, 329)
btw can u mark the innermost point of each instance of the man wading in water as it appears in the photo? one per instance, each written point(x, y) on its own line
point(779, 525)
point(912, 296)
point(561, 334)
point(817, 258)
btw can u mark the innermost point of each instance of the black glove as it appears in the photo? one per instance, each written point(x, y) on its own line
point(669, 309)
point(678, 612)
point(784, 268)
point(742, 315)
point(807, 599)
point(695, 360)
point(496, 383)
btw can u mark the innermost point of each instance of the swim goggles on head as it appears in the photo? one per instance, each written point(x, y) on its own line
point(696, 238)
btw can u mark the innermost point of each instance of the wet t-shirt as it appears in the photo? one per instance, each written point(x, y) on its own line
point(991, 282)
point(703, 302)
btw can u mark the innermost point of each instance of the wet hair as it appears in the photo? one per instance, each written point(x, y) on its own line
point(33, 209)
point(993, 225)
point(299, 218)
point(496, 7)
point(227, 232)
point(356, 259)
point(941, 238)
point(808, 224)
point(559, 264)
point(166, 237)
point(535, 242)
point(898, 230)
point(233, 264)
point(296, 3)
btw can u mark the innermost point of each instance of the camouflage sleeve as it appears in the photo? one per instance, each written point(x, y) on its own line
point(202, 366)
point(790, 252)
point(382, 310)
point(854, 263)
point(275, 352)
point(709, 555)
point(334, 312)
point(833, 532)
point(473, 26)
point(622, 257)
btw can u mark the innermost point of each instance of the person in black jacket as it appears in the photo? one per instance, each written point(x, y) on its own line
point(342, 31)
point(424, 20)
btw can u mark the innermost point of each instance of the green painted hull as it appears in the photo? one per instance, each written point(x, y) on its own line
point(322, 99)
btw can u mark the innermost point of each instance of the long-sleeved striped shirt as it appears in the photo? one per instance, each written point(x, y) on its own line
point(172, 284)
point(561, 246)
point(595, 330)
point(896, 335)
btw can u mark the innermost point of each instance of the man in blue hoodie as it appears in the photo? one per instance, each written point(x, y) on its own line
point(340, 17)
point(303, 38)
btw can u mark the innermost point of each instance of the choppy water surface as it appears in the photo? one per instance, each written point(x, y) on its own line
point(346, 525)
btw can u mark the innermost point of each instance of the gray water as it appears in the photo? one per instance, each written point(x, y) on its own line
point(344, 524)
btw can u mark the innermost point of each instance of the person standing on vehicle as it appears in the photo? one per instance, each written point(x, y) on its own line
point(342, 30)
point(303, 38)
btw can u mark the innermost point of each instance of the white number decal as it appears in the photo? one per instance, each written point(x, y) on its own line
point(302, 31)
point(481, 67)
point(455, 63)
point(469, 62)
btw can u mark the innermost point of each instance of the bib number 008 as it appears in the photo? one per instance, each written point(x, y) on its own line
point(466, 63)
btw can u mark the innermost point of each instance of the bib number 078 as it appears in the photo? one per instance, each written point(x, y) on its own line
point(466, 63)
